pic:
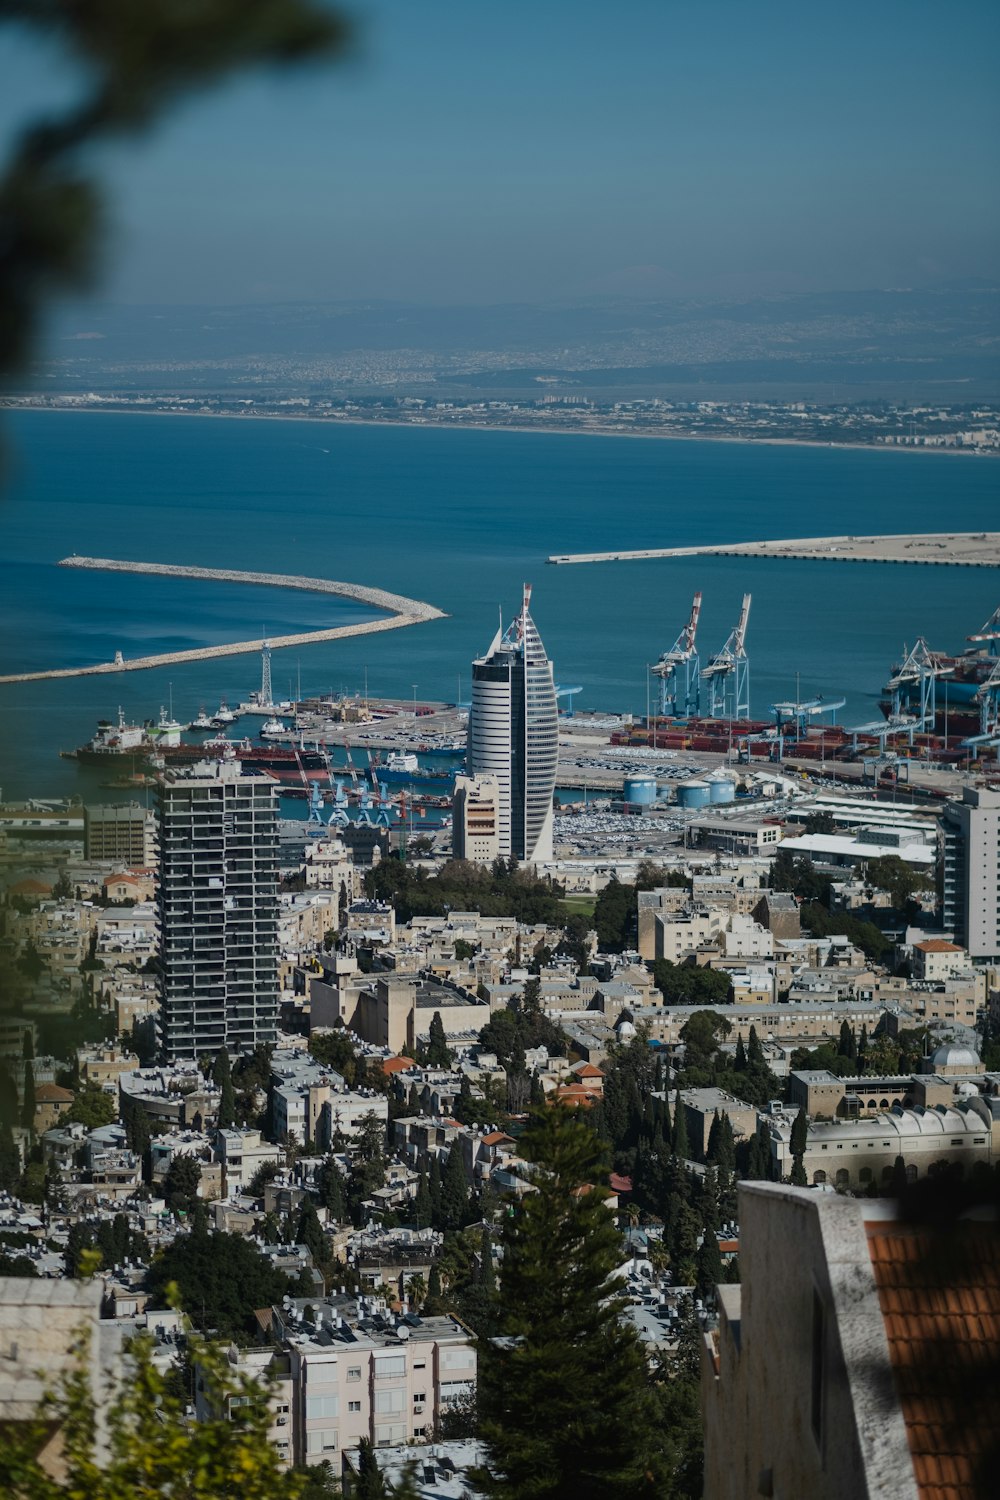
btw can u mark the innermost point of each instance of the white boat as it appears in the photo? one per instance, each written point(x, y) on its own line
point(224, 715)
point(273, 729)
point(401, 760)
point(167, 731)
point(202, 721)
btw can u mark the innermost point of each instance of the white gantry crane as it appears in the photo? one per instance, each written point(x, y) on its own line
point(679, 671)
point(913, 686)
point(728, 673)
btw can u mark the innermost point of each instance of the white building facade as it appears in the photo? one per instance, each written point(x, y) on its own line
point(514, 736)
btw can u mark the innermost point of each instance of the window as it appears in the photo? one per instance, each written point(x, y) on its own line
point(393, 1368)
point(354, 1406)
point(388, 1402)
point(818, 1362)
point(321, 1406)
point(422, 1397)
point(354, 1373)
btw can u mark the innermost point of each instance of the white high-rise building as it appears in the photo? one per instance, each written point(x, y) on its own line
point(217, 898)
point(514, 736)
point(970, 906)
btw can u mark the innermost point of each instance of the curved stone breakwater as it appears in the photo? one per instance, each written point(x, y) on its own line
point(401, 611)
point(956, 549)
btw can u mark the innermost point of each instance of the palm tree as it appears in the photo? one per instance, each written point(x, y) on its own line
point(416, 1290)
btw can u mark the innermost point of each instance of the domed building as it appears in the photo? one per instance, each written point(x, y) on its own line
point(951, 1060)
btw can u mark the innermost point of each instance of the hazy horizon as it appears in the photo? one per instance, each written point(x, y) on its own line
point(460, 156)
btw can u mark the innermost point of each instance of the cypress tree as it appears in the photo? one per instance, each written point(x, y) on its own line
point(846, 1046)
point(897, 1183)
point(454, 1191)
point(740, 1060)
point(309, 1232)
point(714, 1131)
point(797, 1146)
point(422, 1209)
point(863, 1050)
point(438, 1052)
point(680, 1144)
point(727, 1144)
point(434, 1189)
point(10, 1160)
point(755, 1052)
point(709, 1271)
point(28, 1097)
point(227, 1105)
point(564, 1399)
point(330, 1185)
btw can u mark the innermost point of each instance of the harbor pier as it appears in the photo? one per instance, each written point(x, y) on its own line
point(400, 611)
point(954, 549)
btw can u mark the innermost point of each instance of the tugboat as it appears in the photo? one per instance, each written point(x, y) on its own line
point(223, 716)
point(273, 729)
point(202, 721)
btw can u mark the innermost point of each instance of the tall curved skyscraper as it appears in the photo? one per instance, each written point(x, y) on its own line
point(514, 735)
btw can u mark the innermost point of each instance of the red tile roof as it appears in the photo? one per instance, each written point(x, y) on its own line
point(397, 1064)
point(940, 1298)
point(938, 945)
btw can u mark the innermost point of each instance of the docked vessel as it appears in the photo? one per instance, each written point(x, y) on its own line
point(112, 741)
point(958, 680)
point(273, 729)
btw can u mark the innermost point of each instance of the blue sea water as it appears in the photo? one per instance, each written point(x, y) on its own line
point(459, 519)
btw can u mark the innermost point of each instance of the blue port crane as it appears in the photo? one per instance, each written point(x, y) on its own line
point(679, 671)
point(797, 713)
point(728, 673)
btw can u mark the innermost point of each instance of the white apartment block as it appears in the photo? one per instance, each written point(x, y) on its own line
point(388, 1381)
point(475, 828)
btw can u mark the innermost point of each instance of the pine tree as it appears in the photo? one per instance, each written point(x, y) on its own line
point(28, 1097)
point(454, 1191)
point(564, 1397)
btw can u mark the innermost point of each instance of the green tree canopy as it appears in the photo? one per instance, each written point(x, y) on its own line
point(221, 1279)
point(92, 1107)
point(565, 1403)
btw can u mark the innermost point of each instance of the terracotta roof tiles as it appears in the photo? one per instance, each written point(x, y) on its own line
point(940, 1300)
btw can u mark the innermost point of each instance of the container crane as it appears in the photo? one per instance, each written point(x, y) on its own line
point(920, 669)
point(989, 635)
point(679, 671)
point(569, 693)
point(728, 673)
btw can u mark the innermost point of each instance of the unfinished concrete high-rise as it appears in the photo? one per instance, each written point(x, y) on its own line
point(217, 899)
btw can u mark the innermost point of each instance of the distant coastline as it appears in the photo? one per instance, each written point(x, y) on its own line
point(424, 423)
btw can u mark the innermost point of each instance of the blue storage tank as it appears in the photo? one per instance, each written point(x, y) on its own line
point(694, 794)
point(640, 791)
point(721, 789)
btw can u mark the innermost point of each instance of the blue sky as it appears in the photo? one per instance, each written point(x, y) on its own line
point(564, 148)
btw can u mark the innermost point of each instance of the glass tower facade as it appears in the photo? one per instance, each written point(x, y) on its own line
point(514, 735)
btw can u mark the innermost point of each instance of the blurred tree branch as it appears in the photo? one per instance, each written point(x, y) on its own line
point(136, 58)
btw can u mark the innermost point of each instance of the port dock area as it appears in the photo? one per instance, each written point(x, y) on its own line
point(400, 611)
point(957, 549)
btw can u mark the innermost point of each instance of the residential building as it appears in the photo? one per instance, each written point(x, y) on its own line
point(475, 827)
point(218, 909)
point(123, 832)
point(513, 736)
point(970, 904)
point(388, 1382)
point(936, 959)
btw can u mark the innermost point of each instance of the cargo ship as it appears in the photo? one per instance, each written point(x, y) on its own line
point(133, 745)
point(402, 768)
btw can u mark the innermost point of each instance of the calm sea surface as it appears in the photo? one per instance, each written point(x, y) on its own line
point(458, 519)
